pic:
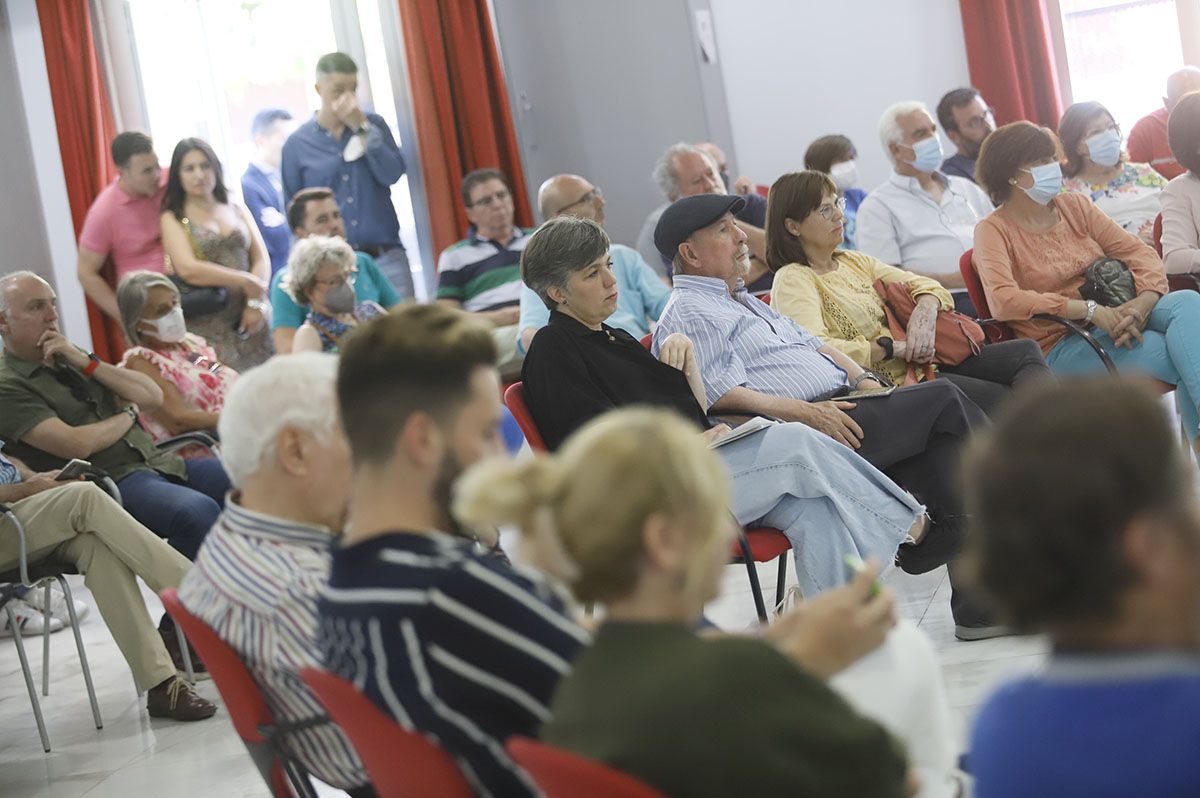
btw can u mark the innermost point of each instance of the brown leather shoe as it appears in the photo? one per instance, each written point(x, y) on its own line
point(177, 700)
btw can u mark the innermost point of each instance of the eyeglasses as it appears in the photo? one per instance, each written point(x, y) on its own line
point(982, 120)
point(340, 280)
point(591, 196)
point(828, 208)
point(491, 199)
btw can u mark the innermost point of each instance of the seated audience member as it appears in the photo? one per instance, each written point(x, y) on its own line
point(685, 170)
point(1101, 555)
point(1181, 197)
point(641, 295)
point(1129, 193)
point(314, 212)
point(213, 242)
point(262, 185)
point(256, 579)
point(752, 360)
point(1032, 252)
point(1148, 141)
point(578, 367)
point(920, 219)
point(75, 522)
point(185, 368)
point(122, 223)
point(966, 120)
point(641, 698)
point(742, 186)
point(830, 292)
point(62, 403)
point(835, 156)
point(443, 638)
point(481, 274)
point(352, 152)
point(321, 276)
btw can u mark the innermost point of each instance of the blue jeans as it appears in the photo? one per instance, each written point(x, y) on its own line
point(180, 512)
point(827, 500)
point(1169, 351)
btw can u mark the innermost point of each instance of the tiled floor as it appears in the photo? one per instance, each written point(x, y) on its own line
point(133, 756)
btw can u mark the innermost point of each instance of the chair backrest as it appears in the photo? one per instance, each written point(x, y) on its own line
point(561, 774)
point(244, 701)
point(1158, 234)
point(648, 340)
point(514, 400)
point(401, 764)
point(974, 285)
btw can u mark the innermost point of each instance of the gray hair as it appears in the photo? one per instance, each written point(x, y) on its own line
point(295, 390)
point(6, 282)
point(664, 170)
point(307, 257)
point(559, 248)
point(889, 124)
point(131, 300)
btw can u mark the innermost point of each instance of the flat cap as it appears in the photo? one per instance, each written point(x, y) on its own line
point(687, 215)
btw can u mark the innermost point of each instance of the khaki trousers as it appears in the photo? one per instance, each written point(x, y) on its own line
point(81, 525)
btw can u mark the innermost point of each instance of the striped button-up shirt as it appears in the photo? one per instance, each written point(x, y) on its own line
point(255, 582)
point(741, 341)
point(466, 649)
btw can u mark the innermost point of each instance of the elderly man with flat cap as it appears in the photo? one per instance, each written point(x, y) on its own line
point(755, 361)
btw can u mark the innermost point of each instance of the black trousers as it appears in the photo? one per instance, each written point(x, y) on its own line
point(990, 377)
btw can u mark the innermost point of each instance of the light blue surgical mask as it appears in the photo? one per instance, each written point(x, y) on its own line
point(1047, 182)
point(1104, 148)
point(928, 154)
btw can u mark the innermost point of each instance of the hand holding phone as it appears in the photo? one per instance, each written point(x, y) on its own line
point(73, 470)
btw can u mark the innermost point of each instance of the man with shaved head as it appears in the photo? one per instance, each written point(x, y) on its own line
point(1148, 139)
point(641, 295)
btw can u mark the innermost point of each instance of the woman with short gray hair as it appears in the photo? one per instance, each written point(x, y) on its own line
point(194, 383)
point(320, 275)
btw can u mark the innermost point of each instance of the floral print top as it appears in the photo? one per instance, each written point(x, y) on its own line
point(1132, 199)
point(193, 368)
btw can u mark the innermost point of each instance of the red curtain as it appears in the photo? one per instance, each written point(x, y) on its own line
point(1011, 59)
point(460, 107)
point(84, 118)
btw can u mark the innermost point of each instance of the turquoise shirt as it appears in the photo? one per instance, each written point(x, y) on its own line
point(369, 286)
point(641, 296)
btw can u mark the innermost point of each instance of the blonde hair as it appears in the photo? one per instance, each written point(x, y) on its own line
point(582, 512)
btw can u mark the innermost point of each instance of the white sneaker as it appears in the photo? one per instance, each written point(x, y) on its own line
point(30, 620)
point(58, 604)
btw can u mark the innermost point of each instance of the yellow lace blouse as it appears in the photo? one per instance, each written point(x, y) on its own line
point(841, 306)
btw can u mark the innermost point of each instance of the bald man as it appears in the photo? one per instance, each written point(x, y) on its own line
point(641, 293)
point(1148, 139)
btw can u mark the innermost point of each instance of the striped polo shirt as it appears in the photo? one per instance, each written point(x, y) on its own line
point(255, 582)
point(741, 341)
point(464, 648)
point(482, 274)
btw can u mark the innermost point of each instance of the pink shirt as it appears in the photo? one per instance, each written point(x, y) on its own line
point(127, 228)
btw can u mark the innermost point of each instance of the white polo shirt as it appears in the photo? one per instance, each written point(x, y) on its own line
point(900, 223)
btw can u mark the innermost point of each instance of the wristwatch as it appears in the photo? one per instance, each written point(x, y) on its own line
point(1091, 306)
point(888, 346)
point(132, 412)
point(258, 304)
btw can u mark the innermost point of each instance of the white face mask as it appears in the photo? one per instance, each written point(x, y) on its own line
point(171, 328)
point(844, 174)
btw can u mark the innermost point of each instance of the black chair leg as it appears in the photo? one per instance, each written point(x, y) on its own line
point(781, 579)
point(752, 572)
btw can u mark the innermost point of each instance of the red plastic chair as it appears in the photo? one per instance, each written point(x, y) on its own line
point(561, 774)
point(248, 710)
point(401, 764)
point(514, 400)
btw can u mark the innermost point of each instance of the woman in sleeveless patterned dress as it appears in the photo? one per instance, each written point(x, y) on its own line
point(212, 242)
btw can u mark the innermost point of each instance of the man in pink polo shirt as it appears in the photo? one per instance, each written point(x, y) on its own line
point(123, 222)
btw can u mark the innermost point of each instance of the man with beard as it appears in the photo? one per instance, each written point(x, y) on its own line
point(442, 637)
point(966, 120)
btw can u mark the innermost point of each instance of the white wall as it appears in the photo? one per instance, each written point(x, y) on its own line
point(797, 69)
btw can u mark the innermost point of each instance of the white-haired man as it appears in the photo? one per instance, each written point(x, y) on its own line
point(920, 219)
point(256, 577)
point(686, 170)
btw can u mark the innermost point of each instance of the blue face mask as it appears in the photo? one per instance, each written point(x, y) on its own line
point(928, 154)
point(1104, 148)
point(1047, 182)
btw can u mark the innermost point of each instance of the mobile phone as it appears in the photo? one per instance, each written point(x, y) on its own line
point(868, 393)
point(854, 567)
point(73, 470)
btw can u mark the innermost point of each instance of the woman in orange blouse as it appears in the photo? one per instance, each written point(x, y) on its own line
point(1031, 254)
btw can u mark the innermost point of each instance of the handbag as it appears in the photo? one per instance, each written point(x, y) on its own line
point(197, 301)
point(956, 337)
point(1108, 282)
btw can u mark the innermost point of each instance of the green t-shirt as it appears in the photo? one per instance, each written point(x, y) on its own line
point(717, 717)
point(31, 393)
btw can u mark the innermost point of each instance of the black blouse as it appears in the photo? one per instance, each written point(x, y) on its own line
point(573, 374)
